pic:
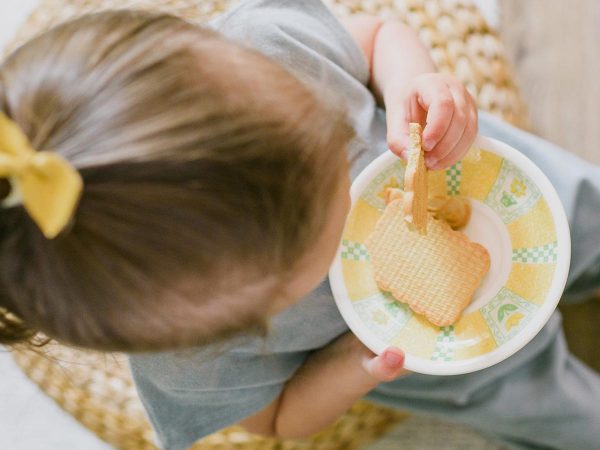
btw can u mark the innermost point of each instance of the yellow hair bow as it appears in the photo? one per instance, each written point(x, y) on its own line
point(46, 184)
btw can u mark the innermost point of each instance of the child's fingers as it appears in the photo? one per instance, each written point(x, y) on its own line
point(458, 124)
point(387, 366)
point(397, 135)
point(445, 107)
point(438, 101)
point(398, 119)
point(462, 147)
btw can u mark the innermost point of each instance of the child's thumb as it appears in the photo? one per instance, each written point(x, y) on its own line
point(387, 366)
point(397, 134)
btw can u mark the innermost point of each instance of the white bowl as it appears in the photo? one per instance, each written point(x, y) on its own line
point(517, 216)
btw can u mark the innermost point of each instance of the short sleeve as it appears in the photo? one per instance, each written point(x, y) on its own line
point(188, 397)
point(303, 36)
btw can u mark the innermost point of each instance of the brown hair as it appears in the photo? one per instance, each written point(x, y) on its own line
point(206, 167)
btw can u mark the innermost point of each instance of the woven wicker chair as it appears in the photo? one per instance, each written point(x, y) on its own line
point(97, 389)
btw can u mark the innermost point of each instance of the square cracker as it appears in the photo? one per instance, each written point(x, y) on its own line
point(436, 274)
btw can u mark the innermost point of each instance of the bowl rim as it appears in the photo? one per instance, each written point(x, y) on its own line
point(533, 327)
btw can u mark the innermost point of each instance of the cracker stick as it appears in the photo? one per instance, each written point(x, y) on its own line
point(415, 182)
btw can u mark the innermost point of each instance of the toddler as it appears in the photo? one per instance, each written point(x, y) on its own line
point(215, 166)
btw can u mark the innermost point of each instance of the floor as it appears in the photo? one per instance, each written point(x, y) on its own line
point(557, 64)
point(561, 87)
point(29, 420)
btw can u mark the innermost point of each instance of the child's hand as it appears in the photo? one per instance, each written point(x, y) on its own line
point(329, 382)
point(377, 368)
point(385, 367)
point(446, 109)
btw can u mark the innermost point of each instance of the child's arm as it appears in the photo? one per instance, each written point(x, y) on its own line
point(403, 78)
point(329, 382)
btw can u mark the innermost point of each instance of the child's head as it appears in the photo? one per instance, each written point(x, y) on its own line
point(215, 185)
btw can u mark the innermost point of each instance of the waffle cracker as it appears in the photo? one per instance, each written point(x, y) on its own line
point(435, 274)
point(415, 181)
